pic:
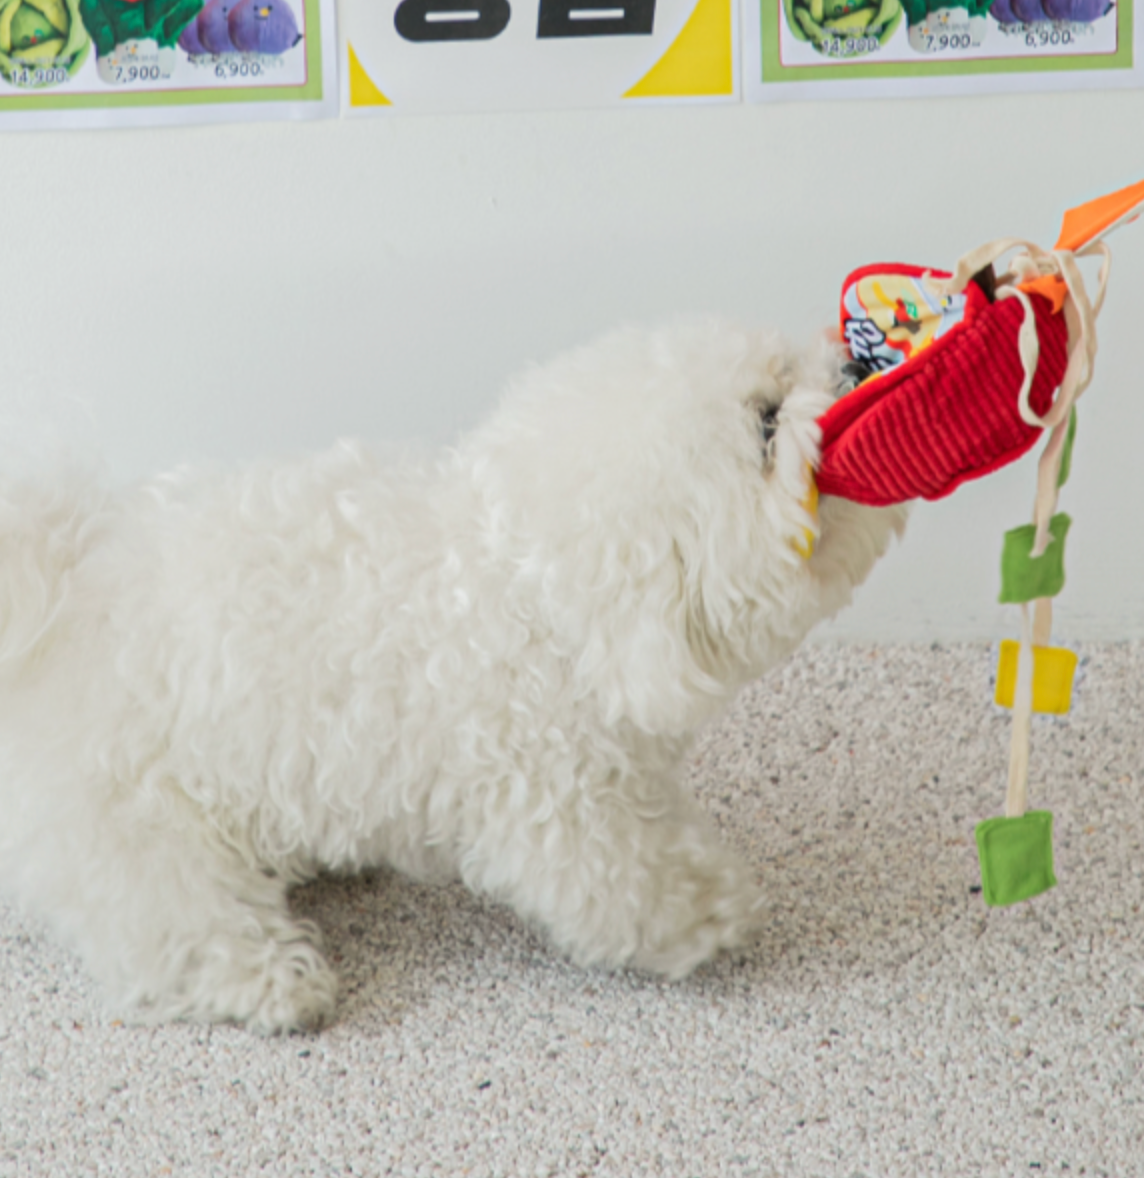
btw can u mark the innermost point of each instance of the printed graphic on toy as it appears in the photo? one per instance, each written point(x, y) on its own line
point(889, 314)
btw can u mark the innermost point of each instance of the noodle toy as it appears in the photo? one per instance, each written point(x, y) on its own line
point(957, 375)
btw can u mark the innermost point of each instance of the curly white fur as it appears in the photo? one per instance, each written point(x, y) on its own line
point(490, 667)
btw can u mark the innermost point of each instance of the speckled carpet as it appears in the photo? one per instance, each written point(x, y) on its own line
point(887, 1023)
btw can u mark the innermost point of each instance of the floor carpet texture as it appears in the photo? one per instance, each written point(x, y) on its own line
point(886, 1023)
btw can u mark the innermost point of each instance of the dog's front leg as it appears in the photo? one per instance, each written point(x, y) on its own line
point(618, 882)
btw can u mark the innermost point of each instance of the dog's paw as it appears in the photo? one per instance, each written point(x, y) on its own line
point(701, 910)
point(273, 986)
point(299, 993)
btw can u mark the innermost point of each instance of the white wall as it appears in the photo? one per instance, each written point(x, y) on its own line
point(219, 293)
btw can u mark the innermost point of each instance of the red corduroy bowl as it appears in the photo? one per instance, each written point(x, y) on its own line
point(946, 415)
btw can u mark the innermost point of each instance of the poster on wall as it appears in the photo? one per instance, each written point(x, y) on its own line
point(888, 48)
point(90, 63)
point(399, 56)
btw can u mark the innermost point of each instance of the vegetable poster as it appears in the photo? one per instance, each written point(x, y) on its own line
point(117, 62)
point(851, 48)
point(124, 62)
point(454, 55)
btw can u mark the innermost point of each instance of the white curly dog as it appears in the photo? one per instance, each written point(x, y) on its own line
point(490, 667)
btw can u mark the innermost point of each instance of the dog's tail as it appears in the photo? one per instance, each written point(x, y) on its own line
point(46, 525)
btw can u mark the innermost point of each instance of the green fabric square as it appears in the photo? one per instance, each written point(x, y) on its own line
point(1016, 857)
point(1024, 578)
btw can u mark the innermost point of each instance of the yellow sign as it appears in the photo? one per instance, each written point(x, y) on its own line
point(458, 55)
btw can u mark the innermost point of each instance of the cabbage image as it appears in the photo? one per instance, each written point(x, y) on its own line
point(42, 42)
point(843, 28)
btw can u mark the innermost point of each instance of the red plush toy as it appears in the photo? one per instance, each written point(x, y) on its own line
point(964, 367)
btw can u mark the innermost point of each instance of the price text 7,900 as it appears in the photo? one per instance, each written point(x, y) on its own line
point(936, 42)
point(137, 73)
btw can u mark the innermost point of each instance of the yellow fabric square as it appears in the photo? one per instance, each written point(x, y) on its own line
point(1053, 671)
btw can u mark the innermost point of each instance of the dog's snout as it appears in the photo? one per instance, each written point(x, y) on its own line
point(854, 372)
point(769, 424)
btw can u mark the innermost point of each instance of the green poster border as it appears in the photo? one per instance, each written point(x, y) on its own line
point(770, 13)
point(312, 91)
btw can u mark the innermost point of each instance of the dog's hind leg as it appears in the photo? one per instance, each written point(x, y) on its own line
point(174, 923)
point(616, 882)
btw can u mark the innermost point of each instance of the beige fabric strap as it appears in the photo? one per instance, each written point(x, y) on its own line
point(1080, 316)
point(1016, 798)
point(1042, 621)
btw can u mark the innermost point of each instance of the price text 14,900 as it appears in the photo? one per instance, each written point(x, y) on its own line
point(41, 77)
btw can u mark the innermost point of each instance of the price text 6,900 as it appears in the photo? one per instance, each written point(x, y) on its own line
point(239, 69)
point(1040, 36)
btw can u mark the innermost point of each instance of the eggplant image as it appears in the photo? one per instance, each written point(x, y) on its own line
point(1031, 12)
point(263, 26)
point(213, 27)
